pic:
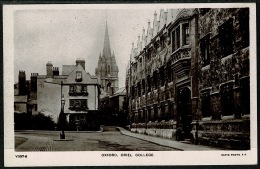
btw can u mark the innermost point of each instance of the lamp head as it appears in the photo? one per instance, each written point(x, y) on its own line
point(62, 100)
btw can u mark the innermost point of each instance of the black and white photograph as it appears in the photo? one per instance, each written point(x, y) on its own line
point(130, 84)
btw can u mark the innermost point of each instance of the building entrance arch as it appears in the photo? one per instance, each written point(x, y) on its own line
point(184, 113)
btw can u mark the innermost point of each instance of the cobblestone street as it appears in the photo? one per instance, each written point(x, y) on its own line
point(108, 140)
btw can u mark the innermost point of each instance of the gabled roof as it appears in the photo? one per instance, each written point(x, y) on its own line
point(86, 77)
point(67, 69)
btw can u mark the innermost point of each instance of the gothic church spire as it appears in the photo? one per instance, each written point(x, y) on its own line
point(106, 49)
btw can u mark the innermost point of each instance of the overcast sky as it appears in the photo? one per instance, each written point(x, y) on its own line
point(63, 35)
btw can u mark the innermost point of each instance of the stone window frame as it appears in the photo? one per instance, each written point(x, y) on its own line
point(139, 89)
point(226, 37)
point(186, 33)
point(171, 109)
point(205, 96)
point(162, 109)
point(78, 76)
point(227, 99)
point(149, 84)
point(149, 113)
point(173, 41)
point(162, 76)
point(245, 95)
point(169, 72)
point(155, 80)
point(178, 37)
point(155, 115)
point(205, 50)
point(162, 42)
point(143, 86)
point(244, 26)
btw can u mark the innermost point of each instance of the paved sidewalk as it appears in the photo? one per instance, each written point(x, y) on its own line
point(167, 142)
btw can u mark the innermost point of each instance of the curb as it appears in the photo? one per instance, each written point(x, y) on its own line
point(166, 142)
point(143, 137)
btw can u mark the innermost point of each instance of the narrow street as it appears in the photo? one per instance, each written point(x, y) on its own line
point(108, 140)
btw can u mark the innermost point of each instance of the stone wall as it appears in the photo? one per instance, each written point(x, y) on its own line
point(227, 126)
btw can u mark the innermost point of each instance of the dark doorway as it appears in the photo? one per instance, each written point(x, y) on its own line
point(184, 113)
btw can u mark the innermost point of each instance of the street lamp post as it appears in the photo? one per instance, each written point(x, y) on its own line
point(62, 118)
point(197, 123)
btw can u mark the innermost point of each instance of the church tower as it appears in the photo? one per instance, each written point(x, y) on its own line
point(107, 70)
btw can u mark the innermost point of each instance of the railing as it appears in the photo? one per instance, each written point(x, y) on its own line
point(180, 53)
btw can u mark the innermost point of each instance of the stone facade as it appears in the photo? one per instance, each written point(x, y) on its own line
point(107, 70)
point(159, 75)
point(187, 79)
point(223, 78)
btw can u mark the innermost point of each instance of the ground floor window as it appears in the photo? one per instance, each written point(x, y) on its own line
point(155, 116)
point(205, 104)
point(245, 96)
point(170, 111)
point(139, 117)
point(149, 114)
point(227, 99)
point(163, 116)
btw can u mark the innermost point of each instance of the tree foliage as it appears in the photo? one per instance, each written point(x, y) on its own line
point(26, 121)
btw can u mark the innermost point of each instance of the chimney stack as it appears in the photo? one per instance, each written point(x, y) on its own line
point(22, 82)
point(55, 71)
point(49, 68)
point(34, 81)
point(81, 62)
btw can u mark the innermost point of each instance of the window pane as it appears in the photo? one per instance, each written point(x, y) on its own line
point(178, 37)
point(78, 74)
point(226, 37)
point(173, 41)
point(205, 50)
point(186, 34)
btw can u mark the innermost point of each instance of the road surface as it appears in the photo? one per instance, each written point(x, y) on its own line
point(109, 140)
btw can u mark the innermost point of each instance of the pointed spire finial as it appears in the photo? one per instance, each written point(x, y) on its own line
point(106, 49)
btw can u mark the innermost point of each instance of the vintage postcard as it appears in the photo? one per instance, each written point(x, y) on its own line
point(130, 84)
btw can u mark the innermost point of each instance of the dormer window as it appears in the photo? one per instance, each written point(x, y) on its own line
point(78, 76)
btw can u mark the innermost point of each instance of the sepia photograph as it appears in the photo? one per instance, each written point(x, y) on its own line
point(130, 84)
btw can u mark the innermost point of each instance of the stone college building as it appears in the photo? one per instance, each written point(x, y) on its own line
point(188, 77)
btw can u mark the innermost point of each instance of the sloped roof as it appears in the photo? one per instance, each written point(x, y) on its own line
point(120, 91)
point(86, 77)
point(67, 69)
